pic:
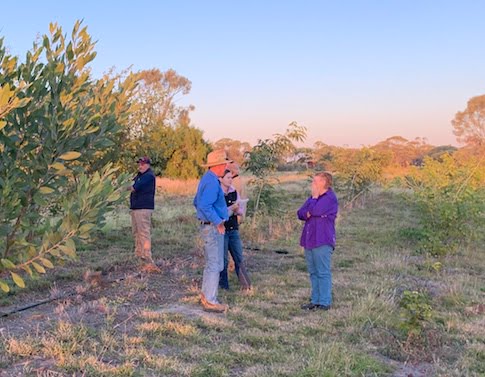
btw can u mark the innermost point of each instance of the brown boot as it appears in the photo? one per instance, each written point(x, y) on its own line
point(150, 268)
point(210, 307)
point(243, 277)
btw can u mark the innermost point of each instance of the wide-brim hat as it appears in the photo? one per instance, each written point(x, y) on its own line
point(217, 157)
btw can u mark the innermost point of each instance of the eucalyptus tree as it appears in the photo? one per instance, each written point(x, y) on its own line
point(57, 128)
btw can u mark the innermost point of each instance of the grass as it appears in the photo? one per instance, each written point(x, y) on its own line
point(153, 326)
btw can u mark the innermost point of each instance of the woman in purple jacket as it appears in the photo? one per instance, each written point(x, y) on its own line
point(318, 239)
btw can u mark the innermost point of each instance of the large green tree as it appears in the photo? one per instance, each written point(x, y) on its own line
point(160, 128)
point(57, 125)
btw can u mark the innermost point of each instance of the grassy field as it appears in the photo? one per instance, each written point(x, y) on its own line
point(128, 324)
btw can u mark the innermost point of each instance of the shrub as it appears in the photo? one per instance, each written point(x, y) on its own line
point(451, 200)
point(56, 128)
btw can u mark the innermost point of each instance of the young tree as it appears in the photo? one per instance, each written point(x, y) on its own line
point(450, 193)
point(357, 170)
point(56, 124)
point(263, 160)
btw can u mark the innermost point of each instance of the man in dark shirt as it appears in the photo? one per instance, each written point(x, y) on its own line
point(142, 204)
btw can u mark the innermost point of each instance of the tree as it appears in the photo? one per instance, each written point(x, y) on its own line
point(323, 155)
point(450, 195)
point(156, 97)
point(56, 124)
point(156, 121)
point(469, 125)
point(402, 152)
point(357, 170)
point(263, 160)
point(235, 149)
point(188, 152)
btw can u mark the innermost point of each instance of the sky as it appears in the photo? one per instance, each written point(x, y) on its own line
point(352, 72)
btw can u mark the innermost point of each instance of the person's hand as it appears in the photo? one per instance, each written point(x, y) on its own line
point(130, 188)
point(308, 215)
point(220, 228)
point(234, 207)
point(315, 191)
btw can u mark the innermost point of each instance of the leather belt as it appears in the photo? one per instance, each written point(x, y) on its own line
point(205, 222)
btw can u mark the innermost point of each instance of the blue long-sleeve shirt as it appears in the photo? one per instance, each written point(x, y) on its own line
point(209, 200)
point(319, 228)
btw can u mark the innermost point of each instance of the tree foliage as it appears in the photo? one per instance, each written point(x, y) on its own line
point(402, 152)
point(357, 170)
point(469, 125)
point(451, 196)
point(235, 149)
point(185, 153)
point(56, 127)
point(161, 129)
point(263, 161)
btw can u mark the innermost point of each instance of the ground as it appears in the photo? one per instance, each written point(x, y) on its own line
point(134, 324)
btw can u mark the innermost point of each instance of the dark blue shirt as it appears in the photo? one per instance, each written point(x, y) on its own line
point(144, 195)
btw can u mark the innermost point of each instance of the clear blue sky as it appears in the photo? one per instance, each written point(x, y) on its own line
point(352, 72)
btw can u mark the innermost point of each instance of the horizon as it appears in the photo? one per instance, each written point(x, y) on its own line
point(353, 74)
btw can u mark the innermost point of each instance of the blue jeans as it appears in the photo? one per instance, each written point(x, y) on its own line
point(214, 261)
point(319, 262)
point(233, 244)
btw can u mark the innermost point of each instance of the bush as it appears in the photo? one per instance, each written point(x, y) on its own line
point(451, 200)
point(415, 311)
point(56, 128)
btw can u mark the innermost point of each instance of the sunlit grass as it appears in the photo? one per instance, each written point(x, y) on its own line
point(153, 325)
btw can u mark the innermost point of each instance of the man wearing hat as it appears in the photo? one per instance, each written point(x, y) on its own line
point(142, 204)
point(212, 213)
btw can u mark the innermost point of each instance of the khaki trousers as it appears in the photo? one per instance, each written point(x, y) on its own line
point(141, 222)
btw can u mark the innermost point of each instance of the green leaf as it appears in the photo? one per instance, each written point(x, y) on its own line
point(46, 262)
point(46, 190)
point(57, 166)
point(5, 94)
point(39, 200)
point(86, 227)
point(23, 102)
point(4, 286)
point(17, 279)
point(59, 68)
point(71, 244)
point(113, 197)
point(38, 268)
point(70, 155)
point(68, 251)
point(28, 270)
point(8, 264)
point(68, 123)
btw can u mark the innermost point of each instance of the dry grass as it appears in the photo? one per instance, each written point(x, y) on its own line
point(171, 187)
